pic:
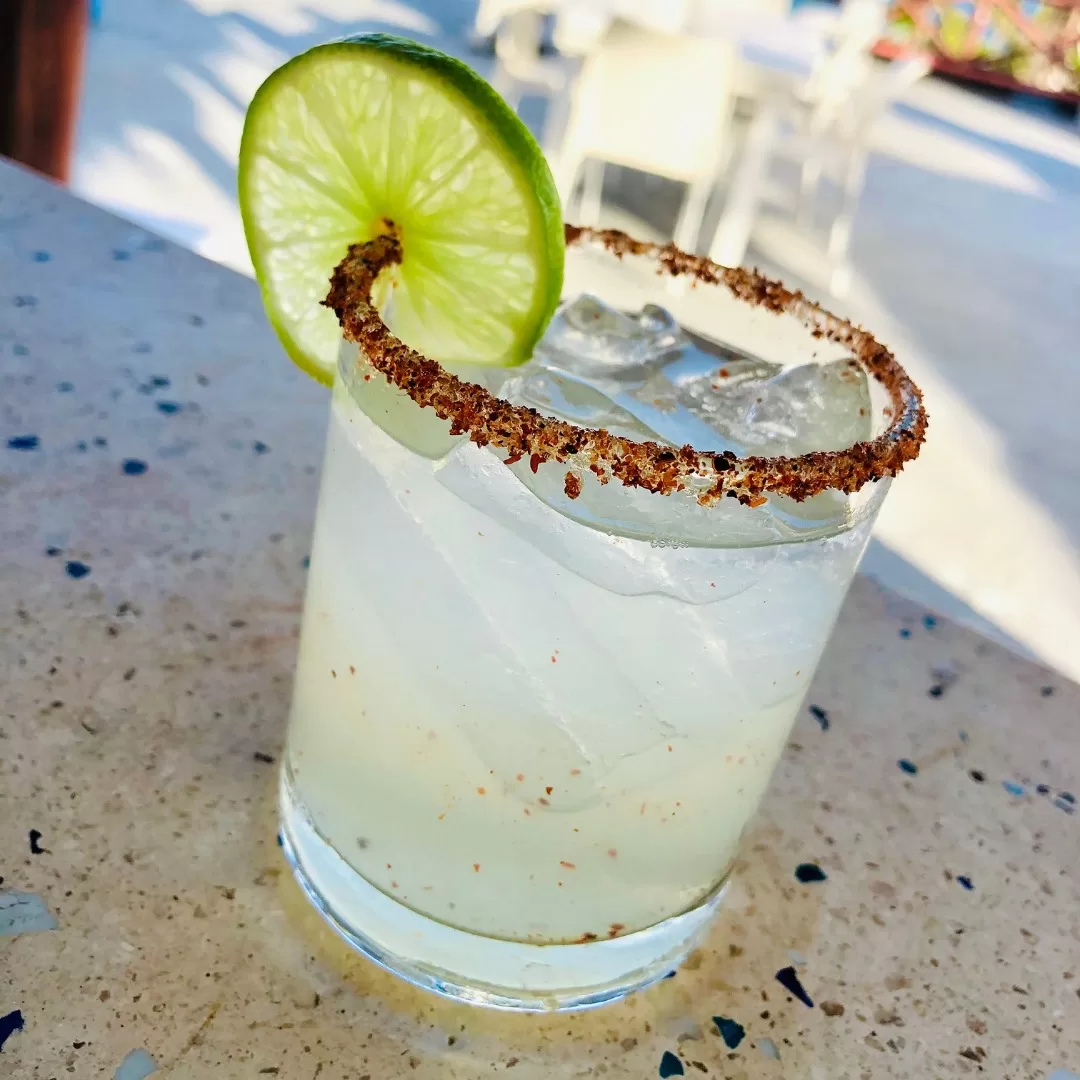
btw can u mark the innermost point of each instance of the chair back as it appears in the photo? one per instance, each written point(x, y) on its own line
point(655, 102)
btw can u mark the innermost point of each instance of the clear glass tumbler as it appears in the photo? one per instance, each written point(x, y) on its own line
point(534, 712)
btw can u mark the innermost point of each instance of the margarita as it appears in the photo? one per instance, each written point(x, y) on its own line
point(573, 570)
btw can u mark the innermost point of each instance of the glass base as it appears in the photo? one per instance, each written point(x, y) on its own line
point(470, 967)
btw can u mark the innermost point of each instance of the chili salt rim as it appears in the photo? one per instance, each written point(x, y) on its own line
point(523, 432)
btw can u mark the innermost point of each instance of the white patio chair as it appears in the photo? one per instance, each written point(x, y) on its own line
point(842, 79)
point(825, 126)
point(489, 13)
point(841, 152)
point(520, 68)
point(653, 102)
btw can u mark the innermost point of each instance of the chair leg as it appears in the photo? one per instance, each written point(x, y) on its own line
point(592, 192)
point(840, 280)
point(816, 132)
point(566, 164)
point(691, 213)
point(556, 119)
point(732, 235)
point(809, 181)
point(506, 86)
point(487, 19)
point(844, 222)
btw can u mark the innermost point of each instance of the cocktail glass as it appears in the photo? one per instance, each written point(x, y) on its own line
point(546, 671)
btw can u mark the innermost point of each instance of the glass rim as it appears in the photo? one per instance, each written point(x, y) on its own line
point(523, 432)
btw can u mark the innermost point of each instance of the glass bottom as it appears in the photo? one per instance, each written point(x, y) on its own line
point(470, 967)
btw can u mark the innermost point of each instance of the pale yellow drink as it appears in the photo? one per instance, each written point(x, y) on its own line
point(528, 729)
point(534, 709)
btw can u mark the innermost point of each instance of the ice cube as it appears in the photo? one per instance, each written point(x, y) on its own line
point(658, 401)
point(727, 373)
point(674, 526)
point(695, 391)
point(555, 393)
point(535, 508)
point(603, 368)
point(791, 411)
point(641, 375)
point(587, 337)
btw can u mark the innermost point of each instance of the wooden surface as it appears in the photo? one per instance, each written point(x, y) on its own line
point(138, 695)
point(41, 63)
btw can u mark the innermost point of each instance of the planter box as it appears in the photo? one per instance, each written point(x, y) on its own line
point(1029, 45)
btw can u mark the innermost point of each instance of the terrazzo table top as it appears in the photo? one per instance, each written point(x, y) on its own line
point(158, 470)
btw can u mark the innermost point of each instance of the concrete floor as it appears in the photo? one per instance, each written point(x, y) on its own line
point(967, 256)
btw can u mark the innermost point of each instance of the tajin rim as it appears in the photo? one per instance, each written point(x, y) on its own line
point(524, 432)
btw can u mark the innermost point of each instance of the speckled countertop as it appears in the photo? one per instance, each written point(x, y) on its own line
point(158, 467)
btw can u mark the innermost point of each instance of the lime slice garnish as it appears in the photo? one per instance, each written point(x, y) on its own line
point(357, 134)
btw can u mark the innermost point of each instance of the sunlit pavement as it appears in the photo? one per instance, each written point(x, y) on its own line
point(967, 257)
